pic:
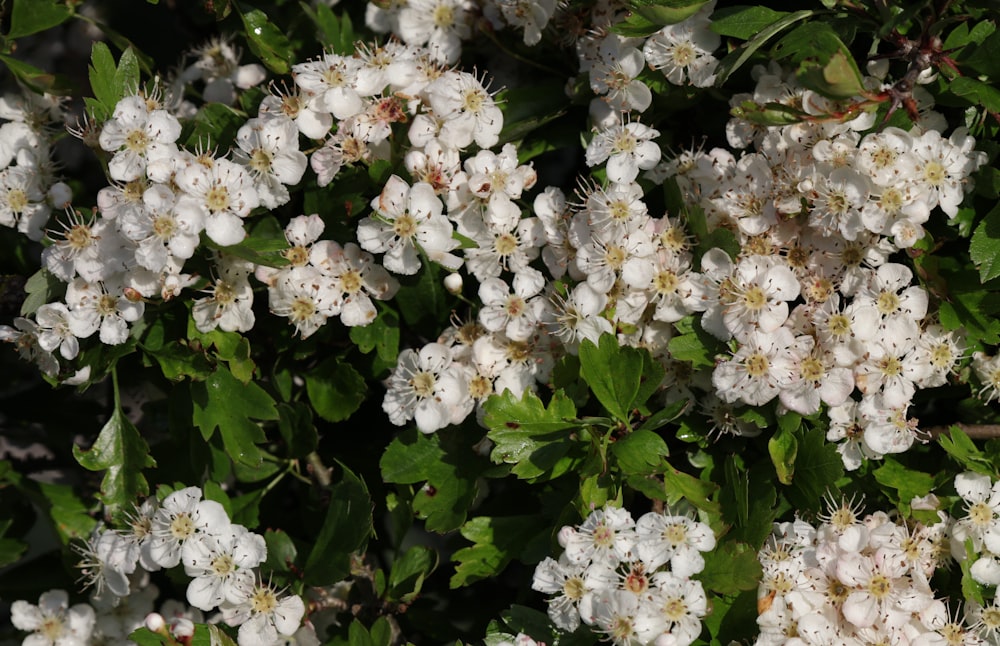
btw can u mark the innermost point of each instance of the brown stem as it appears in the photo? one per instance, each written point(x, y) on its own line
point(975, 431)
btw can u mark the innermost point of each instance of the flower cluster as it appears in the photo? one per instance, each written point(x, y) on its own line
point(219, 556)
point(854, 580)
point(629, 580)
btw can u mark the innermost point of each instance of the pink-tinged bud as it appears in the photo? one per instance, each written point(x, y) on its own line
point(565, 534)
point(182, 628)
point(132, 295)
point(156, 623)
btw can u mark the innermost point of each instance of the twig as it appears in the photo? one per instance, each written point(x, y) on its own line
point(975, 431)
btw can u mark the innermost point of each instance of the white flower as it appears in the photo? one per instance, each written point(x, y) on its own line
point(428, 388)
point(357, 278)
point(54, 331)
point(221, 565)
point(107, 307)
point(406, 217)
point(440, 24)
point(758, 370)
point(137, 135)
point(675, 538)
point(306, 297)
point(683, 52)
point(53, 622)
point(466, 110)
point(224, 194)
point(181, 516)
point(627, 147)
point(229, 305)
point(263, 615)
point(269, 148)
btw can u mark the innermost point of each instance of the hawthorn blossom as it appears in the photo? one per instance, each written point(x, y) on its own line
point(406, 217)
point(627, 148)
point(137, 135)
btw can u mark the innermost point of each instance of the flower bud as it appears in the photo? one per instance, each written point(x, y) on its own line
point(154, 621)
point(453, 283)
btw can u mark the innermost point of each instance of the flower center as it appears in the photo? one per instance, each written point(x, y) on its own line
point(666, 282)
point(182, 527)
point(757, 365)
point(574, 588)
point(303, 308)
point(223, 565)
point(164, 226)
point(675, 534)
point(260, 161)
point(405, 226)
point(506, 244)
point(137, 141)
point(888, 302)
point(217, 199)
point(473, 100)
point(934, 173)
point(754, 298)
point(263, 601)
point(350, 282)
point(79, 237)
point(683, 54)
point(106, 305)
point(17, 200)
point(423, 384)
point(297, 255)
point(675, 609)
point(812, 369)
point(52, 629)
point(224, 293)
point(444, 16)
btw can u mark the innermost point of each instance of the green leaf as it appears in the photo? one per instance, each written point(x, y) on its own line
point(267, 42)
point(678, 484)
point(223, 402)
point(666, 12)
point(215, 126)
point(615, 374)
point(984, 57)
point(447, 466)
point(145, 637)
point(496, 542)
point(381, 335)
point(110, 82)
point(121, 452)
point(985, 245)
point(336, 32)
point(731, 568)
point(635, 25)
point(737, 58)
point(281, 551)
point(664, 416)
point(528, 107)
point(817, 467)
point(36, 79)
point(908, 483)
point(346, 529)
point(335, 389)
point(837, 77)
point(295, 423)
point(530, 436)
point(744, 22)
point(11, 551)
point(783, 448)
point(748, 501)
point(697, 346)
point(32, 16)
point(641, 452)
point(962, 449)
point(409, 572)
point(976, 91)
point(42, 287)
